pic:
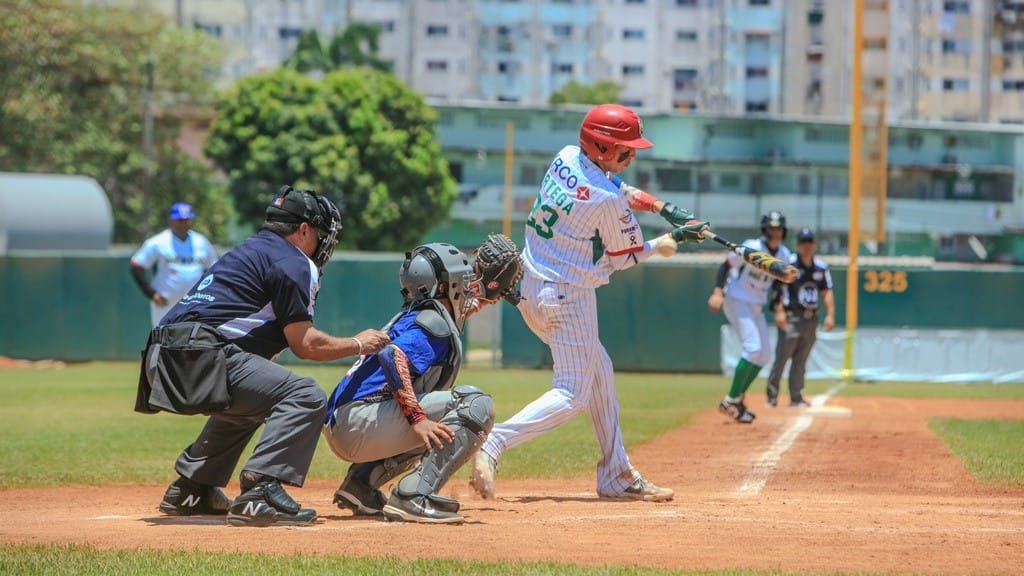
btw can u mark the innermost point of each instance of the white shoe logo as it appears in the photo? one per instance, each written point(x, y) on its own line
point(190, 501)
point(250, 509)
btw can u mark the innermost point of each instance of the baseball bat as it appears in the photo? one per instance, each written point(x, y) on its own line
point(783, 271)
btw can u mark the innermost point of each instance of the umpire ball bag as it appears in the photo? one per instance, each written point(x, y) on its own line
point(184, 371)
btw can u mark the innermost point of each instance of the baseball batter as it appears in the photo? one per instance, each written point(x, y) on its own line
point(181, 256)
point(580, 230)
point(742, 291)
point(796, 317)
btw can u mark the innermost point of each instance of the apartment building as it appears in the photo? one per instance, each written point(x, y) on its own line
point(930, 59)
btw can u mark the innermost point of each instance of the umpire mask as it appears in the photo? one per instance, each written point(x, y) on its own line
point(295, 206)
point(430, 266)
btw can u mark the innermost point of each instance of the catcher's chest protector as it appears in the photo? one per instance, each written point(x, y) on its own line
point(434, 319)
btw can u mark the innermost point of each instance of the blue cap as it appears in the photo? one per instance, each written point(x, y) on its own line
point(181, 211)
point(805, 235)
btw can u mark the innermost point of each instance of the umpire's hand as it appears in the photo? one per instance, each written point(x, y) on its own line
point(373, 340)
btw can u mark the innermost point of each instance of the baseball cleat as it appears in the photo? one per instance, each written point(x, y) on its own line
point(483, 475)
point(736, 410)
point(267, 504)
point(799, 404)
point(356, 495)
point(432, 509)
point(642, 489)
point(187, 498)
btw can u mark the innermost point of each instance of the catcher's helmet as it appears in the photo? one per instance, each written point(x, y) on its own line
point(296, 206)
point(610, 124)
point(430, 266)
point(773, 219)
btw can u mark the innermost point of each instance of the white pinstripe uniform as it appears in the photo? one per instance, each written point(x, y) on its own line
point(579, 232)
point(745, 295)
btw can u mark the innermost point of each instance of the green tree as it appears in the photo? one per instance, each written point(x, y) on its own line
point(573, 92)
point(71, 85)
point(359, 135)
point(358, 44)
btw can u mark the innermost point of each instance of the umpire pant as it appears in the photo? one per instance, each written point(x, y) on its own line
point(262, 392)
point(794, 343)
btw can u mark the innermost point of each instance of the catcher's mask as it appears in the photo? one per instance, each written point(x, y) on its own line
point(439, 270)
point(296, 206)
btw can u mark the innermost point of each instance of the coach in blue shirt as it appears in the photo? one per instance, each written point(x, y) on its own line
point(213, 354)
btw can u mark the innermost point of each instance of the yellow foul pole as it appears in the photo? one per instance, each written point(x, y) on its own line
point(856, 158)
point(510, 132)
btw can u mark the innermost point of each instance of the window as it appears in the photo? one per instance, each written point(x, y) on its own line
point(672, 178)
point(561, 30)
point(757, 72)
point(685, 78)
point(437, 29)
point(686, 35)
point(687, 3)
point(1013, 85)
point(632, 69)
point(635, 1)
point(955, 85)
point(1009, 46)
point(815, 17)
point(437, 65)
point(386, 26)
point(956, 46)
point(760, 2)
point(214, 30)
point(285, 33)
point(561, 67)
point(632, 33)
point(957, 7)
point(761, 106)
point(684, 105)
point(508, 67)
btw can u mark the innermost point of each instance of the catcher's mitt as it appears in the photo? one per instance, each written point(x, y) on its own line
point(498, 269)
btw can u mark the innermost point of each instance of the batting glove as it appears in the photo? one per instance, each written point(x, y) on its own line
point(692, 231)
point(675, 215)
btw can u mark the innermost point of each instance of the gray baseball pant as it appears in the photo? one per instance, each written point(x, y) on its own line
point(292, 408)
point(371, 431)
point(794, 344)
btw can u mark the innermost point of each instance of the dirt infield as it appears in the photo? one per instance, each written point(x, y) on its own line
point(876, 492)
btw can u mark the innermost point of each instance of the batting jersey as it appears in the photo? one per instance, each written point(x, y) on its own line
point(179, 263)
point(252, 293)
point(366, 379)
point(804, 294)
point(748, 283)
point(580, 229)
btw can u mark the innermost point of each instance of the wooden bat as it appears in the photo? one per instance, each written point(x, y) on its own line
point(782, 271)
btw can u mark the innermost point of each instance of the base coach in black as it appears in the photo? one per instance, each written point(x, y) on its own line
point(796, 316)
point(213, 354)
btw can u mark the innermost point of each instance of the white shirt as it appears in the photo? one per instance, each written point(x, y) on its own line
point(179, 263)
point(580, 229)
point(747, 283)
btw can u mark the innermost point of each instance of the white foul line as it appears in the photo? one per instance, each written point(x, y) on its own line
point(769, 460)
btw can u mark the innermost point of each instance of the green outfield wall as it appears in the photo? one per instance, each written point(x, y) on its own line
point(653, 317)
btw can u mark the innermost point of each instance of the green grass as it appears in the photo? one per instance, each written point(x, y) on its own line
point(990, 449)
point(63, 560)
point(77, 425)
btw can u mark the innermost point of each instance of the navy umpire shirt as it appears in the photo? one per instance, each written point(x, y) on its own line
point(252, 293)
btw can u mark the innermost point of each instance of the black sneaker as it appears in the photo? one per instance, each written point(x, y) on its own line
point(432, 509)
point(267, 504)
point(356, 495)
point(187, 498)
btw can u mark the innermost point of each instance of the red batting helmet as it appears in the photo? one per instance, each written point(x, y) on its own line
point(610, 124)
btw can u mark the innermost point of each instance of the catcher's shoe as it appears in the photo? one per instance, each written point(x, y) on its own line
point(187, 498)
point(642, 489)
point(483, 475)
point(356, 495)
point(736, 410)
point(267, 504)
point(432, 509)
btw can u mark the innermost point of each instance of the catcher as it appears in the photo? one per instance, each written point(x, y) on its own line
point(399, 408)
